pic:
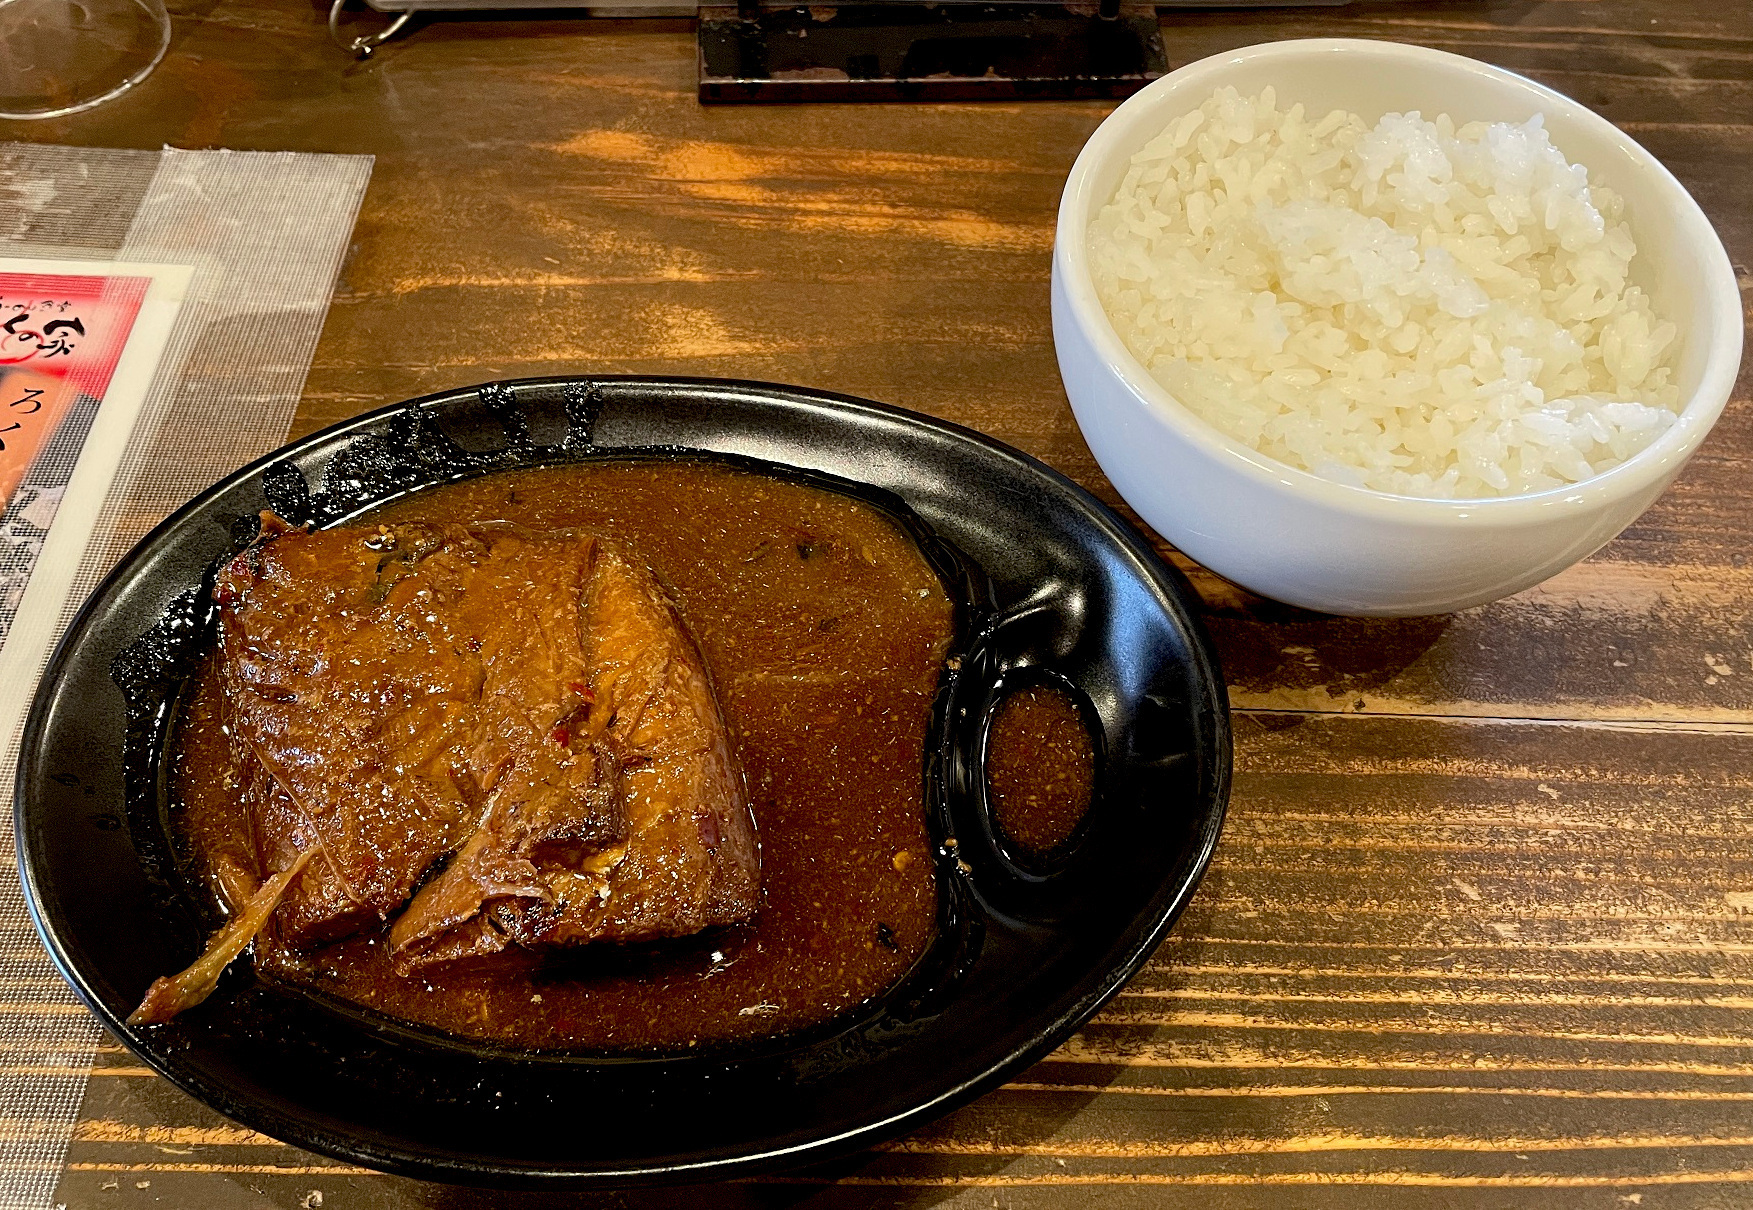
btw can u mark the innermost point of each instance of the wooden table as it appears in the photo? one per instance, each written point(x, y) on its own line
point(1479, 931)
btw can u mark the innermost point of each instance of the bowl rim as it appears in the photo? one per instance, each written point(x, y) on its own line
point(1644, 469)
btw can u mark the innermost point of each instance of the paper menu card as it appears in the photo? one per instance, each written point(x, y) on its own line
point(61, 336)
point(79, 342)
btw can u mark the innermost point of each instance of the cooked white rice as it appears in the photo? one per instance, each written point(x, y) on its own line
point(1411, 308)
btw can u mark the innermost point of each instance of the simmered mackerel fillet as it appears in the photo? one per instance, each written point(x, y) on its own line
point(524, 703)
point(670, 850)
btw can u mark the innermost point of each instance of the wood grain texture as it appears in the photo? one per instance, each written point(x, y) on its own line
point(1480, 931)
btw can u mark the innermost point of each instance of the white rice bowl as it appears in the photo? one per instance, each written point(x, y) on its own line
point(1411, 308)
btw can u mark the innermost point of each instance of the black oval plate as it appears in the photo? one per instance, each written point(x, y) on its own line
point(1075, 596)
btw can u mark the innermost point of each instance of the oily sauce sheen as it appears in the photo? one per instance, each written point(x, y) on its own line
point(825, 631)
point(1040, 768)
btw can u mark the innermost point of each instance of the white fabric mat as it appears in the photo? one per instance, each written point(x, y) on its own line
point(266, 234)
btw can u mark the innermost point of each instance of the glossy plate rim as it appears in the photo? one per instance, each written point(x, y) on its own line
point(414, 1162)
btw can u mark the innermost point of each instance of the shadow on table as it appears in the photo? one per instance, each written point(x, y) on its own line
point(144, 1143)
point(1279, 654)
point(922, 1170)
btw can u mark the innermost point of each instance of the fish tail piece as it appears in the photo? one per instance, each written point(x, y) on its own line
point(170, 995)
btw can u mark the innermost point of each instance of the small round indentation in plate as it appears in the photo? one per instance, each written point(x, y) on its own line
point(1039, 774)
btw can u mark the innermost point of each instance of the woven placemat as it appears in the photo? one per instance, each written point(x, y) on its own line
point(266, 235)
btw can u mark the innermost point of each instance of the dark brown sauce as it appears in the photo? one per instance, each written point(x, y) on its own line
point(825, 630)
point(1040, 768)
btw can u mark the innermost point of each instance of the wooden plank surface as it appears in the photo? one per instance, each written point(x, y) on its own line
point(1480, 932)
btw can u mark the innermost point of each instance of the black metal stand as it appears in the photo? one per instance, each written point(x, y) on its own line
point(914, 52)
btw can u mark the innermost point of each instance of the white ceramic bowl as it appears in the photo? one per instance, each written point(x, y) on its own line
point(1308, 541)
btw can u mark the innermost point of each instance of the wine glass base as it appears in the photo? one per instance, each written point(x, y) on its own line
point(61, 57)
